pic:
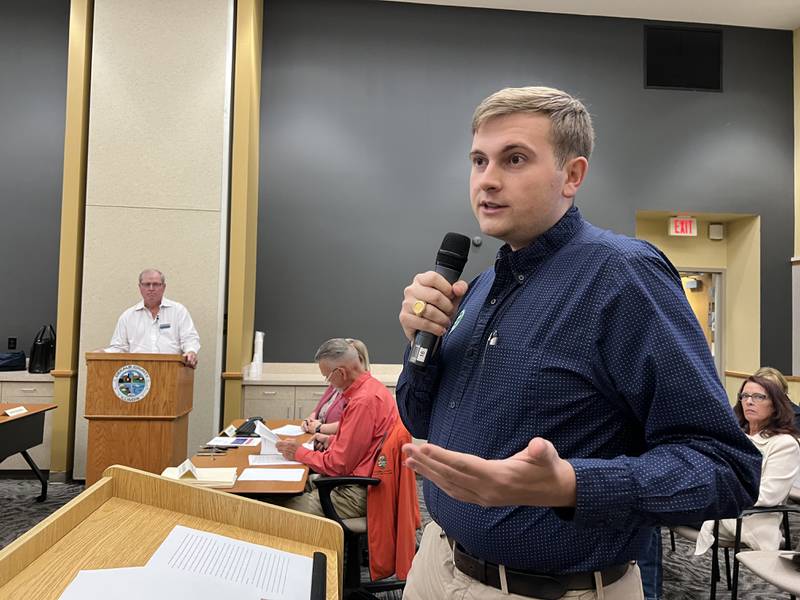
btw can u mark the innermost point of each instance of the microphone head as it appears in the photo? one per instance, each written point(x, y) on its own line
point(454, 251)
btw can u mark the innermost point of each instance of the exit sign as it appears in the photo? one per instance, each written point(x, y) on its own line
point(682, 226)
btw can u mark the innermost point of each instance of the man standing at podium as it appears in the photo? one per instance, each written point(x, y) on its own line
point(156, 324)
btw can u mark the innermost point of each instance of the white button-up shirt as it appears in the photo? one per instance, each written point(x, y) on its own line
point(170, 332)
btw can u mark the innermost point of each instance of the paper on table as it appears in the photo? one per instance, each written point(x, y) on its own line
point(268, 439)
point(271, 475)
point(289, 430)
point(262, 460)
point(236, 441)
point(309, 445)
point(135, 583)
point(278, 575)
point(265, 432)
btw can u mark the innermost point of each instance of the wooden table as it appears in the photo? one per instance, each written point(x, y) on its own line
point(238, 457)
point(22, 432)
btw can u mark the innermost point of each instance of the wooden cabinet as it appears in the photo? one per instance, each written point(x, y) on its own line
point(292, 390)
point(306, 399)
point(29, 392)
point(269, 401)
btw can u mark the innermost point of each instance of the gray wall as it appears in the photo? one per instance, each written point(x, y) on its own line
point(365, 132)
point(33, 72)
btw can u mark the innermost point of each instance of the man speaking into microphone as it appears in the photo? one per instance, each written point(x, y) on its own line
point(572, 403)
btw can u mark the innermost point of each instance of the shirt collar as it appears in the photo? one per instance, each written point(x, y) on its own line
point(164, 302)
point(759, 439)
point(353, 387)
point(525, 259)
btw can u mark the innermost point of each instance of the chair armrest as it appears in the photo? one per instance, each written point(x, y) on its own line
point(754, 510)
point(325, 485)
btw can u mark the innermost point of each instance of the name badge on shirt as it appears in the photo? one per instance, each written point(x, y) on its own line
point(164, 326)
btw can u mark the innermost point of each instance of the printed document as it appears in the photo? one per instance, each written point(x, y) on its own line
point(271, 475)
point(289, 430)
point(135, 583)
point(226, 442)
point(277, 575)
point(268, 439)
point(269, 460)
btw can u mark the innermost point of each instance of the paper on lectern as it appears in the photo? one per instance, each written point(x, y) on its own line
point(135, 583)
point(277, 574)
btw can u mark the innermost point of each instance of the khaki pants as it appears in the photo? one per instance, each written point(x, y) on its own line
point(433, 575)
point(350, 501)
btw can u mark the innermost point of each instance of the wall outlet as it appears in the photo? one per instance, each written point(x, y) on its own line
point(12, 343)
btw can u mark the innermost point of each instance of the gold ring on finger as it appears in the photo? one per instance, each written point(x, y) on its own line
point(419, 307)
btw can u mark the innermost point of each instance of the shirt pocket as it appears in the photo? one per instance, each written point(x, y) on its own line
point(505, 402)
point(566, 388)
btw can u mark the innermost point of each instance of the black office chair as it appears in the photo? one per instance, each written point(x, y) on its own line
point(691, 534)
point(355, 541)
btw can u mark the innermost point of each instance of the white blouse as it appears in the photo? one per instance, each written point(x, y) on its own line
point(780, 465)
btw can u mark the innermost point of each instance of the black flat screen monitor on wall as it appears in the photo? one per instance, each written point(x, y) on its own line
point(683, 58)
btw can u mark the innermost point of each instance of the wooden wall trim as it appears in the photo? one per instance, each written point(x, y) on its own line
point(741, 375)
point(244, 199)
point(73, 203)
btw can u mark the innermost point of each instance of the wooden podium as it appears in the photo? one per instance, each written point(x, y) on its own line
point(138, 409)
point(122, 519)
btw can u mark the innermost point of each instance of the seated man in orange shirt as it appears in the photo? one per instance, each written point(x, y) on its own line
point(369, 415)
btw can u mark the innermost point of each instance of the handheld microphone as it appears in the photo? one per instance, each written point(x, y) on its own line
point(450, 261)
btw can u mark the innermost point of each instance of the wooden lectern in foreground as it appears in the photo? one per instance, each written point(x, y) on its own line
point(138, 409)
point(122, 519)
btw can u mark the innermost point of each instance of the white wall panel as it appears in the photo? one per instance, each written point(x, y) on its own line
point(157, 177)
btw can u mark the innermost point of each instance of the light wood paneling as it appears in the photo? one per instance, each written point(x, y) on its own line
point(149, 445)
point(170, 393)
point(149, 434)
point(244, 199)
point(96, 529)
point(73, 200)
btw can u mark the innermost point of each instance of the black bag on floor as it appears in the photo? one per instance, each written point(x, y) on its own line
point(12, 361)
point(43, 351)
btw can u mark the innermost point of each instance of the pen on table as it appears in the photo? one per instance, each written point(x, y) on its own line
point(214, 449)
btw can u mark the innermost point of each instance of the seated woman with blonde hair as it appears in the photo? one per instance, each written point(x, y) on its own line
point(775, 376)
point(766, 416)
point(324, 419)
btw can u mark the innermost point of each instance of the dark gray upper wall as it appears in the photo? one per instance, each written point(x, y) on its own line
point(33, 72)
point(365, 133)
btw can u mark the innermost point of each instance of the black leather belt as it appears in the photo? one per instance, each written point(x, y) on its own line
point(527, 583)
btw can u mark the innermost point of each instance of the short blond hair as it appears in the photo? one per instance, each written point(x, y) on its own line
point(774, 376)
point(361, 348)
point(570, 123)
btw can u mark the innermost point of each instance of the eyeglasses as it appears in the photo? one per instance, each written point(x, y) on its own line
point(754, 397)
point(150, 285)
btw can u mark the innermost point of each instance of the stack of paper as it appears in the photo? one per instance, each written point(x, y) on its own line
point(219, 477)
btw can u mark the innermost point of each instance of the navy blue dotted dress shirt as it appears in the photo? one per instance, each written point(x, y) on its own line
point(584, 338)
